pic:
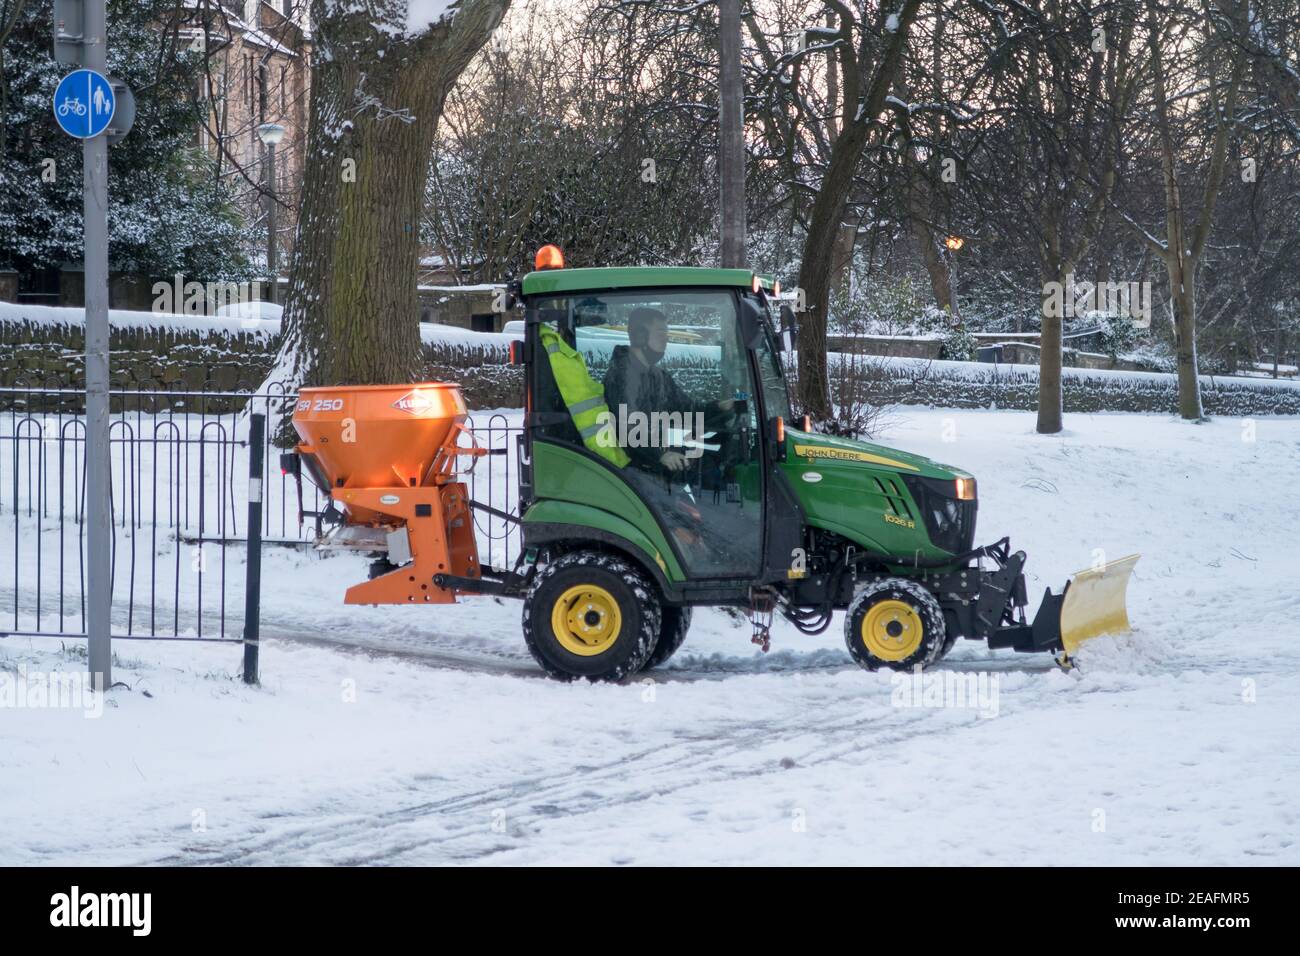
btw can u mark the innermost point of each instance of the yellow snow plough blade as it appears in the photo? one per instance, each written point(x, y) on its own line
point(1096, 603)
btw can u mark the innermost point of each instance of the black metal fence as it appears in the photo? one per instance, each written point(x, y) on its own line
point(180, 493)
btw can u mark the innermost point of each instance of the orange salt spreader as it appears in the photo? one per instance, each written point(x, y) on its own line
point(387, 454)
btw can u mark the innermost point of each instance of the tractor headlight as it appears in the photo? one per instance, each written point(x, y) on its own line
point(947, 510)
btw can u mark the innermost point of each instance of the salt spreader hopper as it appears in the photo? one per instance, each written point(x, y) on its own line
point(387, 455)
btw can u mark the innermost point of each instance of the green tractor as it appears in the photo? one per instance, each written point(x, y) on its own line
point(660, 470)
point(633, 513)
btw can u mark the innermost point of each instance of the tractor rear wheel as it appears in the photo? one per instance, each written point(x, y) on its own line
point(948, 641)
point(591, 614)
point(676, 621)
point(894, 623)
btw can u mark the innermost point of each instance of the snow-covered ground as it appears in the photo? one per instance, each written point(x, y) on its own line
point(418, 735)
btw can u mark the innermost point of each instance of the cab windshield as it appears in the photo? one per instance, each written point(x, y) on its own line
point(771, 370)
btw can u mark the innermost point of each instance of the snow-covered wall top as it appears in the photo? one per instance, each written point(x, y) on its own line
point(121, 319)
point(44, 347)
point(981, 371)
point(251, 321)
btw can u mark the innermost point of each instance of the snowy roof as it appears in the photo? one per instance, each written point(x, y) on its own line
point(254, 34)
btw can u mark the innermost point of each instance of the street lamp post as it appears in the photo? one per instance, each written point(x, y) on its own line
point(953, 243)
point(731, 136)
point(271, 134)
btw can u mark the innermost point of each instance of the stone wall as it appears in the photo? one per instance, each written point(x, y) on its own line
point(183, 355)
point(466, 307)
point(898, 345)
point(43, 347)
point(889, 381)
point(1025, 353)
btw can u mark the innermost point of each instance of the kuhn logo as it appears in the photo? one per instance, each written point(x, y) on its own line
point(415, 403)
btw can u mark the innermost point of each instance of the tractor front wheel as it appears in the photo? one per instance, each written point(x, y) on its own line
point(894, 623)
point(591, 614)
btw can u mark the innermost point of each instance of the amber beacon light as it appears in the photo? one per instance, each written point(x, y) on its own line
point(549, 257)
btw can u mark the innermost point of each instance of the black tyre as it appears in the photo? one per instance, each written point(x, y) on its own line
point(591, 614)
point(949, 640)
point(894, 623)
point(675, 622)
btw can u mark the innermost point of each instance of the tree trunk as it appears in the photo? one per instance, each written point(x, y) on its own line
point(1051, 400)
point(832, 85)
point(1182, 285)
point(351, 314)
point(817, 264)
point(846, 242)
point(936, 263)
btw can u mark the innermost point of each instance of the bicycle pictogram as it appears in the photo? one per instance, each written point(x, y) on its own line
point(72, 105)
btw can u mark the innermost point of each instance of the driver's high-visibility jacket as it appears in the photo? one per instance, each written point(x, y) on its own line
point(584, 397)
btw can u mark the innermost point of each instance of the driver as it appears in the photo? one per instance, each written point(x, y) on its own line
point(635, 380)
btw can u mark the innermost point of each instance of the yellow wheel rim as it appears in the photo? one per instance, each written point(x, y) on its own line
point(586, 620)
point(892, 630)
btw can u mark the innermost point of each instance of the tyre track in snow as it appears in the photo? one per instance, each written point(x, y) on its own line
point(730, 752)
point(635, 777)
point(572, 792)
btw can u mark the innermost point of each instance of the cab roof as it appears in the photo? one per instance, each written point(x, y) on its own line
point(552, 281)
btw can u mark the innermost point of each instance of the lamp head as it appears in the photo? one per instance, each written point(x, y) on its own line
point(270, 134)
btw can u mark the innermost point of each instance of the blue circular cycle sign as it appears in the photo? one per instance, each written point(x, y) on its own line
point(84, 104)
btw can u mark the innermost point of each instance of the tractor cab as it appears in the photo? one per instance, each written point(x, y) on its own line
point(656, 408)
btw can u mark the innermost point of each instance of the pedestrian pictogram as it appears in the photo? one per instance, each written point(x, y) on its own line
point(84, 104)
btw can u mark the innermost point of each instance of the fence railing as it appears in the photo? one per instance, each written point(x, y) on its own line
point(179, 489)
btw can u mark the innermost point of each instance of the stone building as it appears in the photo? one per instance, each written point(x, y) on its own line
point(259, 71)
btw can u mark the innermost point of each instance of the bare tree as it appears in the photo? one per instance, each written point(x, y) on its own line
point(1196, 75)
point(581, 131)
point(869, 43)
point(1050, 162)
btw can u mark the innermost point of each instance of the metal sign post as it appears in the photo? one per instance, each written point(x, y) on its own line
point(99, 599)
point(84, 104)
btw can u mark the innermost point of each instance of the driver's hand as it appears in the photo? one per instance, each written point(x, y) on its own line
point(727, 404)
point(673, 460)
